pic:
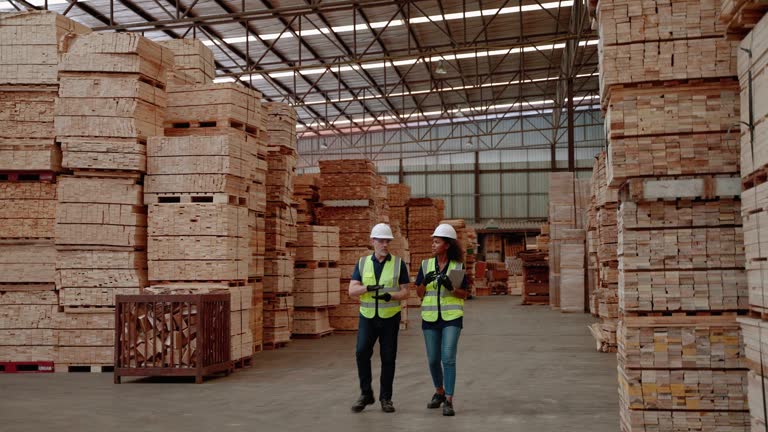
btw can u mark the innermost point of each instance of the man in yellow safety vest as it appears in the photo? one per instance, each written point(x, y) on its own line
point(381, 281)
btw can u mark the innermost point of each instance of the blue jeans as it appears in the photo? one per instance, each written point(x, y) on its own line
point(441, 354)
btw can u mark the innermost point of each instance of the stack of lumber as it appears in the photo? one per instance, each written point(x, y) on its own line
point(200, 188)
point(354, 212)
point(480, 283)
point(569, 197)
point(753, 81)
point(424, 215)
point(111, 100)
point(194, 63)
point(661, 41)
point(397, 198)
point(572, 271)
point(680, 238)
point(741, 16)
point(493, 247)
point(542, 240)
point(306, 194)
point(317, 285)
point(605, 244)
point(281, 224)
point(535, 277)
point(497, 275)
point(593, 240)
point(29, 85)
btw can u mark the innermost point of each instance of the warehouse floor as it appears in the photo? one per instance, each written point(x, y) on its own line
point(520, 368)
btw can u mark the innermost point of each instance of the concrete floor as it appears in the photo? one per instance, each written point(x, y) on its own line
point(520, 368)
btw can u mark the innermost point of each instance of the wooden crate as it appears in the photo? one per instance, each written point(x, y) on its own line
point(196, 341)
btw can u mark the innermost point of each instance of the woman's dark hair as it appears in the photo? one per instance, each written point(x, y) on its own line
point(455, 251)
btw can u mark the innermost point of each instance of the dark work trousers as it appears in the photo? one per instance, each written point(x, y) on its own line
point(386, 331)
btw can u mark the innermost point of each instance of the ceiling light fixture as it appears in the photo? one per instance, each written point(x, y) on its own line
point(440, 69)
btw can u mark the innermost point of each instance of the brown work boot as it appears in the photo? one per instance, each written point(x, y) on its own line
point(448, 409)
point(386, 406)
point(362, 402)
point(437, 400)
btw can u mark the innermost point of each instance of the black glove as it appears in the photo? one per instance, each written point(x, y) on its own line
point(444, 281)
point(386, 297)
point(430, 277)
point(372, 288)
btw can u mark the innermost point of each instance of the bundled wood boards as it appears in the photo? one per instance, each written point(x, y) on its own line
point(741, 15)
point(213, 105)
point(193, 59)
point(30, 45)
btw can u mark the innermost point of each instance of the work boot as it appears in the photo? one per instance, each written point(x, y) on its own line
point(437, 400)
point(361, 403)
point(448, 409)
point(386, 406)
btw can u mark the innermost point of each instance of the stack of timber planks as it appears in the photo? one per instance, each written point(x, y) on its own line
point(31, 322)
point(741, 16)
point(424, 215)
point(199, 190)
point(569, 198)
point(353, 198)
point(194, 63)
point(112, 99)
point(306, 195)
point(605, 244)
point(753, 83)
point(281, 224)
point(668, 87)
point(317, 287)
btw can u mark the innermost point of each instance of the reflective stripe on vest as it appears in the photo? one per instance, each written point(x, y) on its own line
point(450, 307)
point(389, 279)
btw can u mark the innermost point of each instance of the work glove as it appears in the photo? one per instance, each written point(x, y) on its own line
point(371, 288)
point(386, 297)
point(430, 277)
point(444, 281)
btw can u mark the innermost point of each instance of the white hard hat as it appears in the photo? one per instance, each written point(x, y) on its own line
point(382, 231)
point(445, 230)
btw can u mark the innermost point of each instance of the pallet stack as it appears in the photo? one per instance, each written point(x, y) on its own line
point(111, 101)
point(753, 83)
point(681, 260)
point(572, 271)
point(199, 192)
point(280, 223)
point(605, 244)
point(497, 275)
point(568, 198)
point(194, 63)
point(317, 287)
point(353, 199)
point(535, 277)
point(467, 237)
point(29, 162)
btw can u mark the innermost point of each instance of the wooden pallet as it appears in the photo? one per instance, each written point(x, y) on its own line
point(71, 368)
point(27, 367)
point(184, 198)
point(734, 313)
point(315, 264)
point(245, 362)
point(27, 176)
point(269, 346)
point(313, 336)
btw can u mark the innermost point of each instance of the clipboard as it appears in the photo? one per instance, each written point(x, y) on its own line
point(456, 277)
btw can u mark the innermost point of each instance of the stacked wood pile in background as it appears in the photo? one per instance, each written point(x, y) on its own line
point(424, 215)
point(281, 224)
point(535, 277)
point(306, 195)
point(317, 286)
point(568, 200)
point(353, 198)
point(397, 198)
point(467, 237)
point(480, 282)
point(32, 326)
point(573, 290)
point(542, 240)
point(194, 63)
point(605, 245)
point(496, 275)
point(753, 84)
point(514, 265)
point(679, 226)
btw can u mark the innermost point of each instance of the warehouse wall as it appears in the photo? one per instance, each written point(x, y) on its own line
point(513, 161)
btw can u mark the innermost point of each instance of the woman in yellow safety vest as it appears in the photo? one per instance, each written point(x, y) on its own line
point(442, 312)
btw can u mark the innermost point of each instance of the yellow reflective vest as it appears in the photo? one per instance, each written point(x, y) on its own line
point(389, 279)
point(449, 306)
